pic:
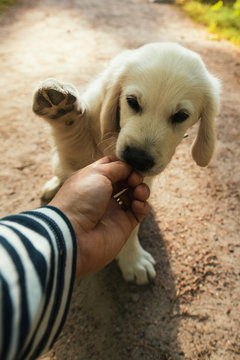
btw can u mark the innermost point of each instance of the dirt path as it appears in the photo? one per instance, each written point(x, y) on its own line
point(192, 311)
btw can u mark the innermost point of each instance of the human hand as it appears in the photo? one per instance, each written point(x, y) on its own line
point(101, 225)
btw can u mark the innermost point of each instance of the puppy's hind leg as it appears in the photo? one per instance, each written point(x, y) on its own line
point(49, 189)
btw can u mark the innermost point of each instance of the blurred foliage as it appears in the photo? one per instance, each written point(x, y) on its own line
point(221, 17)
point(4, 3)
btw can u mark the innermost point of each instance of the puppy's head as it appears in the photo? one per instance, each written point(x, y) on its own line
point(154, 94)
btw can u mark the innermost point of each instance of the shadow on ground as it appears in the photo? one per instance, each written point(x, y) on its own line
point(120, 319)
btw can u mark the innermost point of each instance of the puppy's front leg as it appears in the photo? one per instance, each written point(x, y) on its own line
point(136, 264)
point(59, 104)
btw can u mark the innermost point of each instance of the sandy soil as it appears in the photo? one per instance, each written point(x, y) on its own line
point(192, 311)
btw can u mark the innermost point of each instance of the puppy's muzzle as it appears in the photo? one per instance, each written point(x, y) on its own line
point(139, 159)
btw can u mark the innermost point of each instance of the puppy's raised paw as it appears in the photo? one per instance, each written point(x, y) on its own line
point(54, 99)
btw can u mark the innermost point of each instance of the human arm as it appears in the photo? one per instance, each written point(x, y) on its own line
point(41, 252)
point(37, 271)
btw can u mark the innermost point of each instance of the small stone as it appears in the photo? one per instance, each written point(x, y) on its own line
point(135, 298)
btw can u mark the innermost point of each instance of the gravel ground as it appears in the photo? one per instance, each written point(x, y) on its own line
point(192, 310)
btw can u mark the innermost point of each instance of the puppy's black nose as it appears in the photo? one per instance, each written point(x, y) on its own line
point(138, 158)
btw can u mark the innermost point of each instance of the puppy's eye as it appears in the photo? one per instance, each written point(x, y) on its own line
point(133, 103)
point(179, 117)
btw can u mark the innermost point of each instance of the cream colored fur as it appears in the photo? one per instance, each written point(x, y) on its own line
point(165, 78)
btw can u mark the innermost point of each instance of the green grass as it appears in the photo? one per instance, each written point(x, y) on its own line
point(4, 3)
point(221, 18)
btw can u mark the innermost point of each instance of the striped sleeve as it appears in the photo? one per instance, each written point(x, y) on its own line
point(37, 271)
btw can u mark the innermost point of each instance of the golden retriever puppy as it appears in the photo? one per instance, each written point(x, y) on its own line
point(139, 108)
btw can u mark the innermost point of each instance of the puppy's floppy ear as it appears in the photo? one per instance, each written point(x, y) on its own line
point(204, 144)
point(110, 112)
point(109, 116)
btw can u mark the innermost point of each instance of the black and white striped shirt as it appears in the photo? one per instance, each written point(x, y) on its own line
point(37, 271)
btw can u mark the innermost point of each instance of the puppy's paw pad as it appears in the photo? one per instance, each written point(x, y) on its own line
point(55, 96)
point(70, 99)
point(140, 270)
point(42, 102)
point(54, 99)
